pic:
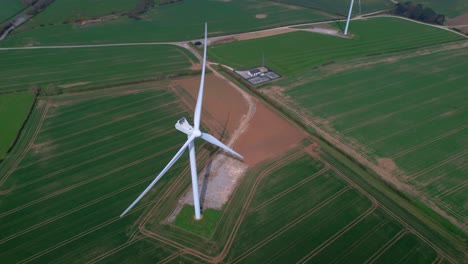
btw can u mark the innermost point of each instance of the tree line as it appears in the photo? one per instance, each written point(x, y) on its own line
point(418, 12)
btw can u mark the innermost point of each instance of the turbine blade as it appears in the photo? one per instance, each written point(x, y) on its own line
point(198, 106)
point(209, 138)
point(168, 166)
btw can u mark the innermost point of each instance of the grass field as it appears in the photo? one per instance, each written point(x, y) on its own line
point(10, 8)
point(342, 6)
point(186, 220)
point(159, 24)
point(14, 109)
point(407, 110)
point(294, 53)
point(75, 10)
point(84, 67)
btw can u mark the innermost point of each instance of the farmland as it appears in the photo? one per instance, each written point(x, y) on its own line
point(14, 109)
point(10, 8)
point(304, 208)
point(159, 24)
point(405, 114)
point(356, 155)
point(93, 66)
point(293, 53)
point(82, 158)
point(72, 10)
point(341, 6)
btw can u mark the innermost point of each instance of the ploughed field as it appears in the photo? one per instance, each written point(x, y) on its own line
point(14, 109)
point(405, 115)
point(158, 24)
point(295, 53)
point(92, 66)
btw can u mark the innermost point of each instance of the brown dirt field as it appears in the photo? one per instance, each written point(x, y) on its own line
point(459, 22)
point(260, 16)
point(267, 136)
point(223, 107)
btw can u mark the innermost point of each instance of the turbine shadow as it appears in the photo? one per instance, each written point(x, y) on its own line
point(212, 149)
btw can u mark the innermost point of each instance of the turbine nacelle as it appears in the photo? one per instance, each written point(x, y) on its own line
point(184, 126)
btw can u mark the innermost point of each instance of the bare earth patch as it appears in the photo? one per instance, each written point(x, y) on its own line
point(261, 16)
point(387, 164)
point(251, 35)
point(268, 135)
point(460, 22)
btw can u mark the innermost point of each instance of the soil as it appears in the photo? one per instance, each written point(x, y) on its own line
point(460, 22)
point(260, 16)
point(223, 107)
point(252, 35)
point(387, 164)
point(267, 136)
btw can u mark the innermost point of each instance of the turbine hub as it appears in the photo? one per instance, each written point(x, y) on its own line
point(196, 133)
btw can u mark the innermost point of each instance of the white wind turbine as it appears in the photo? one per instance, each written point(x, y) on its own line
point(192, 133)
point(349, 15)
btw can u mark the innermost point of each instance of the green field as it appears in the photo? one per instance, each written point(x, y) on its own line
point(294, 53)
point(299, 208)
point(14, 108)
point(9, 8)
point(85, 156)
point(409, 109)
point(159, 23)
point(342, 6)
point(94, 66)
point(75, 10)
point(65, 185)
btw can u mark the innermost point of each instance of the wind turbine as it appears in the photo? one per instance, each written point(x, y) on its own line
point(192, 133)
point(349, 16)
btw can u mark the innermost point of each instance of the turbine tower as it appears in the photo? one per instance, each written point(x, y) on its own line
point(192, 133)
point(349, 17)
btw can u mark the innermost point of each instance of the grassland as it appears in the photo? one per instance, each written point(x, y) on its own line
point(404, 113)
point(204, 228)
point(10, 8)
point(73, 10)
point(341, 6)
point(159, 24)
point(95, 66)
point(14, 109)
point(294, 53)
